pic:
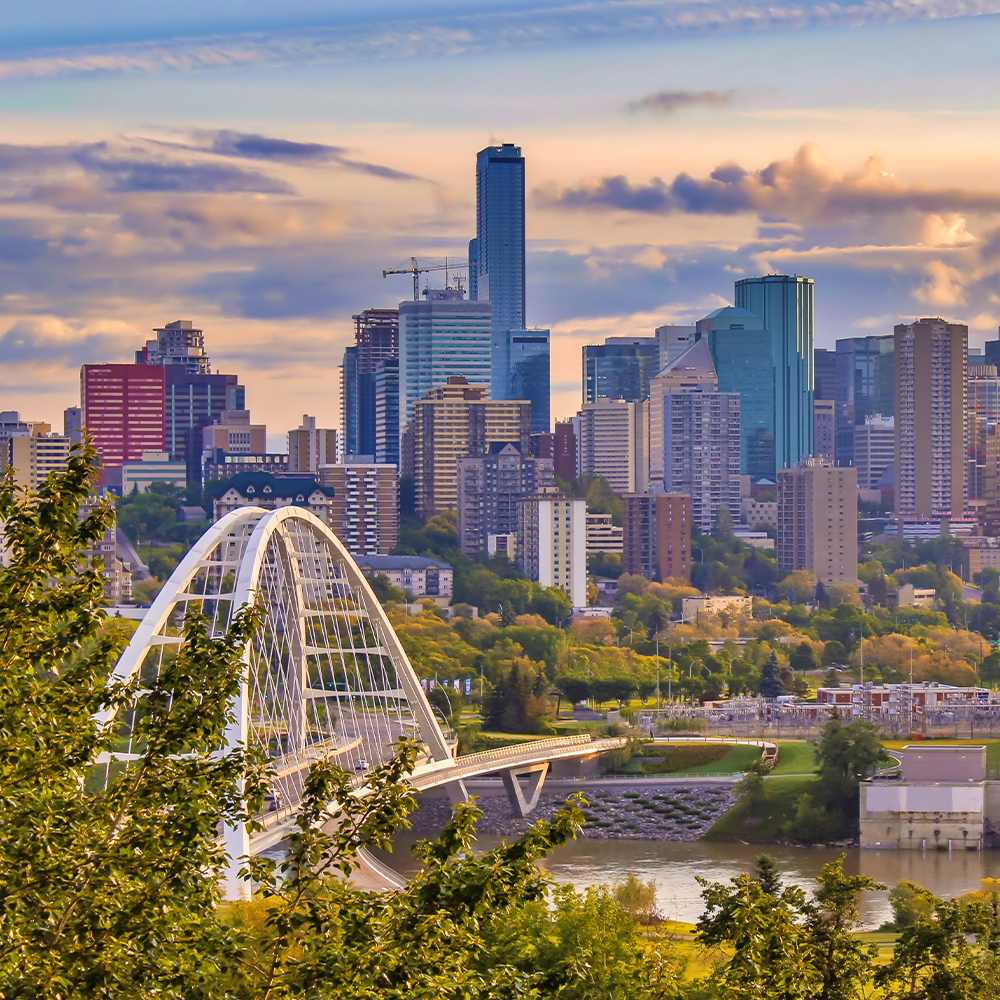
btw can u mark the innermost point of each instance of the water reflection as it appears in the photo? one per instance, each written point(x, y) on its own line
point(673, 866)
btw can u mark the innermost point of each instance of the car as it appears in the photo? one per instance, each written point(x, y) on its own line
point(361, 765)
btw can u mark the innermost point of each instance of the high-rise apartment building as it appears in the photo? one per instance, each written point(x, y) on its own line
point(364, 509)
point(824, 374)
point(864, 387)
point(620, 368)
point(454, 420)
point(818, 520)
point(694, 436)
point(560, 446)
point(440, 337)
point(931, 443)
point(982, 419)
point(496, 255)
point(73, 423)
point(674, 341)
point(34, 456)
point(178, 343)
point(124, 412)
point(387, 412)
point(825, 428)
point(742, 351)
point(657, 535)
point(490, 488)
point(529, 374)
point(785, 304)
point(874, 450)
point(614, 443)
point(376, 336)
point(310, 446)
point(12, 426)
point(552, 544)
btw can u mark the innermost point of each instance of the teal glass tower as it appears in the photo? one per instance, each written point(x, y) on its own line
point(496, 255)
point(763, 349)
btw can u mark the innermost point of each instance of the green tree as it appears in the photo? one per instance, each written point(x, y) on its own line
point(385, 591)
point(911, 902)
point(845, 755)
point(804, 657)
point(770, 680)
point(552, 603)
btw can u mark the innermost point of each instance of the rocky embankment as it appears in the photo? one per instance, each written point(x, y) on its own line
point(615, 811)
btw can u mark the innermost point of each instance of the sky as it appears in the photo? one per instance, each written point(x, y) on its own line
point(254, 167)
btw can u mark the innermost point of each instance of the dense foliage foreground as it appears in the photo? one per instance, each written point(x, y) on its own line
point(109, 889)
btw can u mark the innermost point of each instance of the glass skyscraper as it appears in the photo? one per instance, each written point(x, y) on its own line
point(865, 387)
point(785, 303)
point(620, 368)
point(529, 375)
point(442, 336)
point(496, 275)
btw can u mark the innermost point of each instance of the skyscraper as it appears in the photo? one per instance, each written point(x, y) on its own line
point(440, 337)
point(529, 374)
point(387, 412)
point(874, 450)
point(694, 435)
point(614, 443)
point(673, 341)
point(785, 304)
point(824, 374)
point(983, 419)
point(620, 368)
point(124, 412)
point(496, 255)
point(376, 336)
point(931, 361)
point(177, 343)
point(864, 387)
point(818, 520)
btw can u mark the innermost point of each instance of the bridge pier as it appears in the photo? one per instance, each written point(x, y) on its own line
point(457, 792)
point(536, 773)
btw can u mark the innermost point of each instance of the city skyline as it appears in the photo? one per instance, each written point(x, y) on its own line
point(136, 194)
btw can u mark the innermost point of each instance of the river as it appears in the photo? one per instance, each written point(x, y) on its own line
point(674, 866)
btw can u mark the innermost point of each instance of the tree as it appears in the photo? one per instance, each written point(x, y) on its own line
point(911, 902)
point(770, 680)
point(575, 687)
point(797, 586)
point(834, 652)
point(846, 754)
point(552, 603)
point(804, 658)
point(385, 591)
point(751, 785)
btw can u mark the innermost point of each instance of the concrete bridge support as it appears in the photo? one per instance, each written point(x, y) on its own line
point(535, 773)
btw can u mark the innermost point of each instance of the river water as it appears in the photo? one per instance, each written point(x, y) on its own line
point(674, 867)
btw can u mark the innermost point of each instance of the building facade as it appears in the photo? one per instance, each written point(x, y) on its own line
point(440, 337)
point(387, 412)
point(674, 341)
point(529, 374)
point(694, 435)
point(364, 513)
point(560, 446)
point(33, 456)
point(490, 489)
point(931, 359)
point(614, 443)
point(874, 451)
point(152, 467)
point(818, 520)
point(452, 421)
point(657, 535)
point(864, 387)
point(261, 489)
point(603, 535)
point(982, 419)
point(824, 374)
point(416, 576)
point(552, 544)
point(124, 412)
point(620, 368)
point(179, 344)
point(310, 446)
point(496, 256)
point(376, 341)
point(825, 428)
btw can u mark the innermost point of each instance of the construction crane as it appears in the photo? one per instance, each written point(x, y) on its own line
point(416, 270)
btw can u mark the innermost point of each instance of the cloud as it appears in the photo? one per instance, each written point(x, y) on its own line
point(803, 187)
point(49, 338)
point(668, 101)
point(943, 286)
point(516, 27)
point(249, 146)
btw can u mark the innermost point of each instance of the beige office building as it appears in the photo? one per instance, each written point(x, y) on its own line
point(34, 456)
point(364, 510)
point(452, 421)
point(818, 520)
point(931, 439)
point(614, 443)
point(310, 446)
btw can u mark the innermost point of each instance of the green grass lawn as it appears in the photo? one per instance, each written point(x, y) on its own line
point(795, 758)
point(737, 759)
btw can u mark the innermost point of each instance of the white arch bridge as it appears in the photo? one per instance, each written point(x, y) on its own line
point(326, 675)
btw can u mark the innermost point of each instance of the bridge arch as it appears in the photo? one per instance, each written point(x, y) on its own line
point(325, 675)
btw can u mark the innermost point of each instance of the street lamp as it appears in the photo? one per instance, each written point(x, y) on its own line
point(702, 551)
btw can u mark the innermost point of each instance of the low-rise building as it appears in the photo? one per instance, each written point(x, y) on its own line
point(414, 575)
point(602, 535)
point(940, 803)
point(887, 700)
point(757, 513)
point(734, 604)
point(979, 551)
point(261, 489)
point(154, 467)
point(908, 596)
